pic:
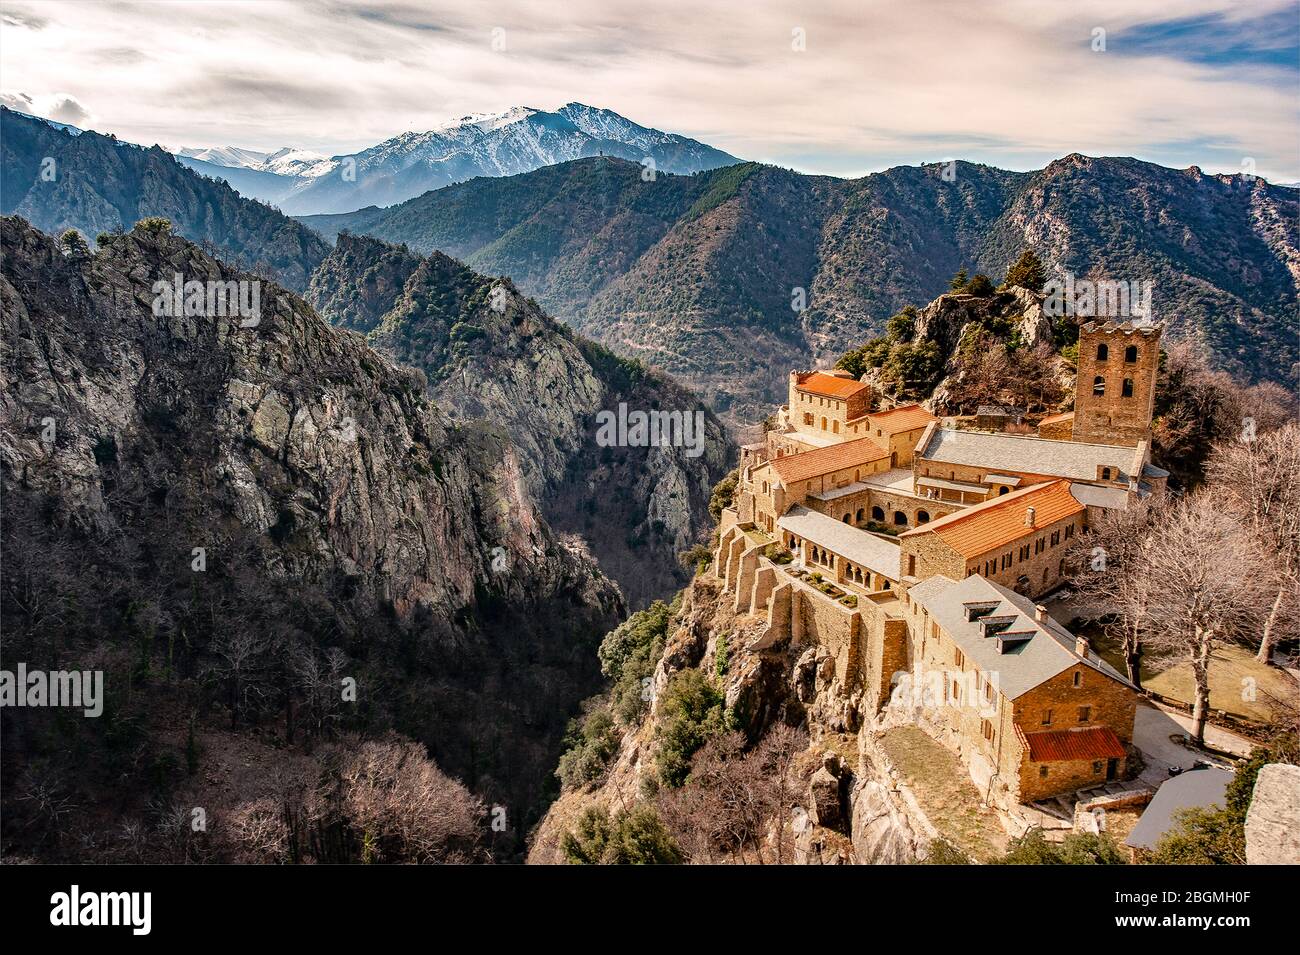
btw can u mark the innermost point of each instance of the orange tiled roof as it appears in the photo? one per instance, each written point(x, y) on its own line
point(904, 418)
point(1052, 418)
point(835, 457)
point(993, 524)
point(1095, 742)
point(829, 386)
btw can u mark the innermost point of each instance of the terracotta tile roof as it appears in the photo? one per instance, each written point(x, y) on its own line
point(1095, 742)
point(1053, 418)
point(905, 418)
point(829, 386)
point(836, 457)
point(984, 527)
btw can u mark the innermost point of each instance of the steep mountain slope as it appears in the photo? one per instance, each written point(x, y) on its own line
point(229, 520)
point(700, 275)
point(60, 180)
point(492, 355)
point(517, 140)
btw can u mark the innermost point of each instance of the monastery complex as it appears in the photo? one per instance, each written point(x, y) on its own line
point(915, 554)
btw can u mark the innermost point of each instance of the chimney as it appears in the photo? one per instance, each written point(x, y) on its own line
point(1081, 646)
point(1029, 517)
point(1040, 613)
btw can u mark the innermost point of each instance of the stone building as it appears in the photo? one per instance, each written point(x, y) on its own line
point(1018, 540)
point(967, 467)
point(823, 402)
point(1114, 388)
point(1032, 710)
point(866, 533)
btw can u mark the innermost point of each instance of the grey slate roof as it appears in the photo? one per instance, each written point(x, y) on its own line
point(1049, 651)
point(1195, 787)
point(864, 549)
point(1115, 498)
point(1012, 452)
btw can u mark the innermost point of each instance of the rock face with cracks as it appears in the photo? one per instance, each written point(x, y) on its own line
point(300, 461)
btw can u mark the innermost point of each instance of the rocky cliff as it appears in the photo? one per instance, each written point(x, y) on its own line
point(831, 799)
point(492, 355)
point(221, 506)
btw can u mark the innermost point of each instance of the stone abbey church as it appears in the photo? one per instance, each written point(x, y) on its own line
point(914, 554)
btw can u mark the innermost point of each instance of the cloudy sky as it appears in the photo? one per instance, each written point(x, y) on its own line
point(876, 83)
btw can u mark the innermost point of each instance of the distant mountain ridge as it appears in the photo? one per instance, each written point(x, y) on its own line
point(729, 278)
point(61, 178)
point(513, 141)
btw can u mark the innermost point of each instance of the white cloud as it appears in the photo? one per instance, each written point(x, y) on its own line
point(1014, 84)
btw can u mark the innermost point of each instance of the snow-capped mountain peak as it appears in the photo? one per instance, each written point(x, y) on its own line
point(504, 143)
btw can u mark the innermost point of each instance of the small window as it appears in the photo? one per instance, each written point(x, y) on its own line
point(955, 699)
point(1126, 390)
point(1078, 678)
point(1103, 352)
point(1042, 772)
point(1085, 714)
point(1096, 767)
point(1099, 385)
point(1047, 717)
point(836, 425)
point(987, 730)
point(958, 658)
point(911, 565)
point(1105, 474)
point(1131, 354)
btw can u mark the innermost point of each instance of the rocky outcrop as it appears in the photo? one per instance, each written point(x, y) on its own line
point(492, 355)
point(945, 319)
point(1273, 819)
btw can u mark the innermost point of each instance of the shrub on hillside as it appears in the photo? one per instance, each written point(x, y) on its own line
point(634, 837)
point(589, 744)
point(691, 712)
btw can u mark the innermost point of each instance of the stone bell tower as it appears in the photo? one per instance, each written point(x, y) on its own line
point(1115, 392)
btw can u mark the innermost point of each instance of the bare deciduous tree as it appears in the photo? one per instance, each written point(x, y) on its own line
point(1206, 590)
point(1259, 478)
point(1111, 574)
point(735, 801)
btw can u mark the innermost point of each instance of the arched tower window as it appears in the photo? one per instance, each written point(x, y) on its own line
point(1103, 352)
point(1131, 353)
point(1099, 384)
